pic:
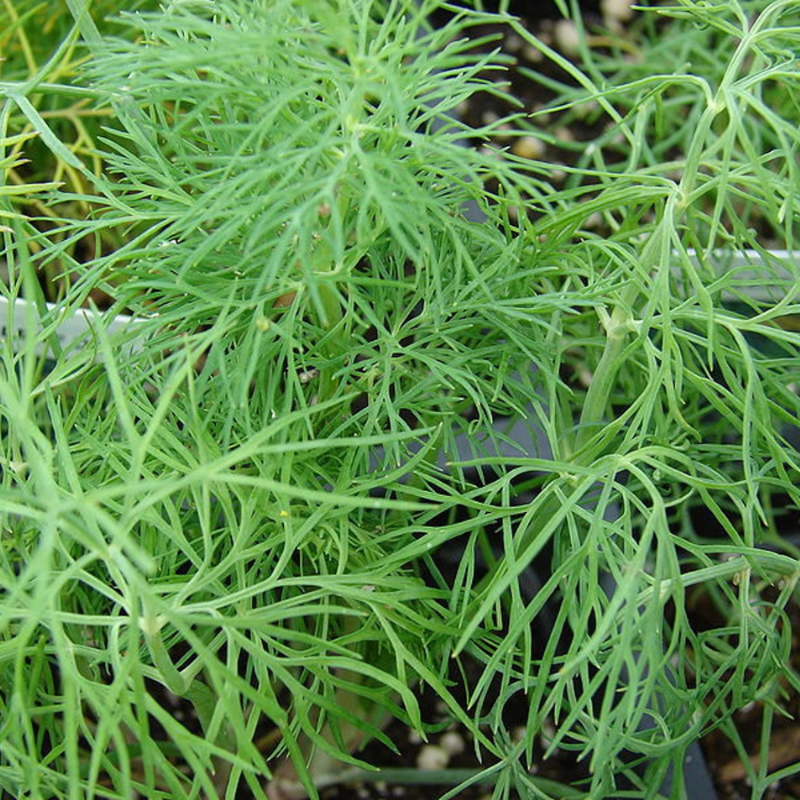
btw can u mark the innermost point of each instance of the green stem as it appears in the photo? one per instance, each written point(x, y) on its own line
point(172, 678)
point(597, 397)
point(330, 320)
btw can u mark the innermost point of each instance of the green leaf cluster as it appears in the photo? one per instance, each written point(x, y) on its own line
point(246, 502)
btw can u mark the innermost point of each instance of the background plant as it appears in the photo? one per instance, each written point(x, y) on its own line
point(241, 499)
point(54, 119)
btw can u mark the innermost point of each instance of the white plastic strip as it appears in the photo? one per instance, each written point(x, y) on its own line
point(751, 278)
point(16, 326)
point(20, 318)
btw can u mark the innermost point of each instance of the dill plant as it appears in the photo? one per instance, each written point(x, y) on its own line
point(53, 117)
point(237, 503)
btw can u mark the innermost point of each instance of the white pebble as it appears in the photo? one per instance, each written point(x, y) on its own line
point(616, 10)
point(594, 220)
point(532, 54)
point(433, 757)
point(567, 37)
point(452, 743)
point(583, 110)
point(528, 147)
point(504, 131)
point(514, 43)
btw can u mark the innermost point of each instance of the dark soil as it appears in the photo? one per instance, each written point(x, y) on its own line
point(448, 738)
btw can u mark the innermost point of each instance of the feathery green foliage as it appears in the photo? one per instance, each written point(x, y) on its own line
point(240, 501)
